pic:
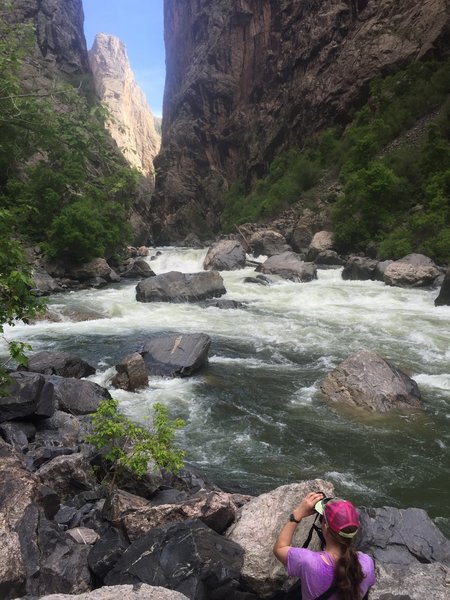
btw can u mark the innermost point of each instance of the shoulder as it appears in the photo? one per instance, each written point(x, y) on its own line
point(300, 559)
point(303, 554)
point(368, 566)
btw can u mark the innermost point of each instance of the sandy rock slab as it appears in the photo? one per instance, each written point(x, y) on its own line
point(122, 592)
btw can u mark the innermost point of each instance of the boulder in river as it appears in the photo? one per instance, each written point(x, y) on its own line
point(322, 241)
point(366, 380)
point(444, 294)
point(131, 373)
point(180, 287)
point(136, 268)
point(268, 242)
point(359, 268)
point(177, 354)
point(413, 270)
point(97, 268)
point(77, 396)
point(289, 265)
point(225, 255)
point(257, 526)
point(59, 363)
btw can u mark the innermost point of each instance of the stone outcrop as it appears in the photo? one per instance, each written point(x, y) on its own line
point(414, 270)
point(366, 380)
point(289, 265)
point(412, 582)
point(132, 123)
point(247, 79)
point(262, 572)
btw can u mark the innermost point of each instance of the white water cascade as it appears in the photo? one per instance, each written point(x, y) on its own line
point(255, 418)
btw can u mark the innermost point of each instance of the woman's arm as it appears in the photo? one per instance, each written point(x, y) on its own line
point(284, 540)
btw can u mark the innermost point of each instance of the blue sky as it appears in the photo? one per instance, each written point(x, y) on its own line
point(140, 25)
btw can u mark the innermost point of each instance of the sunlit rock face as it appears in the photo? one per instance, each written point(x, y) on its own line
point(246, 79)
point(132, 124)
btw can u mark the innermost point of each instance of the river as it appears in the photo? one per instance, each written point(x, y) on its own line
point(255, 418)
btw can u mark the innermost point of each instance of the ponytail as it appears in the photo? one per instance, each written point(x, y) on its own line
point(348, 574)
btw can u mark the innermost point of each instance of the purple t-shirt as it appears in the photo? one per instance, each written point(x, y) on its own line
point(316, 575)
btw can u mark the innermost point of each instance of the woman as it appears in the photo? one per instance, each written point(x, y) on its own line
point(339, 570)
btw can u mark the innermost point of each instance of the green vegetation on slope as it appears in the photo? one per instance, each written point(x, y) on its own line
point(398, 198)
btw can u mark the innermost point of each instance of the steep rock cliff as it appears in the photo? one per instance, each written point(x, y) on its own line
point(249, 78)
point(132, 124)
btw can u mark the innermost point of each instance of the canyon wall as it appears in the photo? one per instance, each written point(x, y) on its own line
point(249, 78)
point(132, 124)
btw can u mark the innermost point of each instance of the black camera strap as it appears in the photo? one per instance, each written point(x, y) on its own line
point(318, 530)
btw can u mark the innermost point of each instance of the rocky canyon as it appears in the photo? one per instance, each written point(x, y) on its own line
point(248, 79)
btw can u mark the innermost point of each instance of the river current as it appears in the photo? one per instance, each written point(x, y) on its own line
point(255, 418)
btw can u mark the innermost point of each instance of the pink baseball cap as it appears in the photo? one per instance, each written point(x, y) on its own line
point(339, 514)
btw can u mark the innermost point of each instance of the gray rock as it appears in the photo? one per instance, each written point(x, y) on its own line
point(414, 270)
point(366, 380)
point(177, 354)
point(123, 592)
point(381, 267)
point(29, 394)
point(180, 287)
point(412, 582)
point(443, 298)
point(402, 537)
point(44, 284)
point(68, 474)
point(359, 269)
point(137, 268)
point(61, 429)
point(131, 373)
point(187, 557)
point(225, 255)
point(78, 397)
point(228, 304)
point(322, 241)
point(261, 571)
point(96, 268)
point(289, 265)
point(267, 242)
point(106, 552)
point(16, 433)
point(83, 535)
point(59, 363)
point(329, 258)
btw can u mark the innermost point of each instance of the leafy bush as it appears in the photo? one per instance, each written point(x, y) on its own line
point(129, 447)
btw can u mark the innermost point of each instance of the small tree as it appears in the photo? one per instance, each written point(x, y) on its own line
point(129, 447)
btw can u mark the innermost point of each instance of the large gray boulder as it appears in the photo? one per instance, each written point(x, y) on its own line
point(136, 269)
point(444, 294)
point(131, 373)
point(412, 582)
point(28, 394)
point(187, 557)
point(366, 380)
point(359, 268)
point(413, 270)
point(76, 396)
point(96, 268)
point(289, 265)
point(178, 354)
point(68, 474)
point(257, 526)
point(59, 363)
point(123, 592)
point(267, 242)
point(322, 241)
point(180, 287)
point(225, 255)
point(402, 537)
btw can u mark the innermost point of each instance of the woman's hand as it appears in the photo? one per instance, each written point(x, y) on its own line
point(306, 506)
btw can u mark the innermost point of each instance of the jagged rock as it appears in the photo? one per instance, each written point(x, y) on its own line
point(402, 537)
point(359, 269)
point(180, 287)
point(78, 397)
point(412, 582)
point(132, 124)
point(300, 238)
point(29, 394)
point(62, 429)
point(59, 363)
point(262, 572)
point(123, 592)
point(17, 433)
point(246, 81)
point(414, 270)
point(83, 535)
point(137, 269)
point(289, 265)
point(131, 373)
point(258, 280)
point(444, 294)
point(187, 557)
point(67, 474)
point(106, 552)
point(322, 241)
point(192, 241)
point(216, 509)
point(267, 242)
point(228, 304)
point(366, 380)
point(225, 255)
point(44, 284)
point(143, 486)
point(177, 354)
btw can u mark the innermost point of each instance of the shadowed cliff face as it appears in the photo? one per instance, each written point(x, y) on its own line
point(246, 79)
